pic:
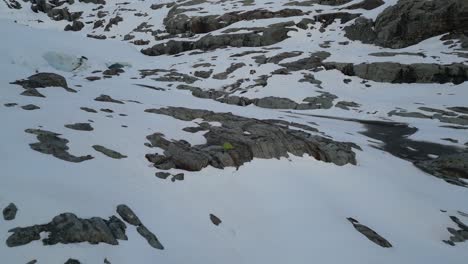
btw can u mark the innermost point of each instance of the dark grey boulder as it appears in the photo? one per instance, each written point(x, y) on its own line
point(108, 152)
point(72, 261)
point(87, 109)
point(215, 220)
point(150, 237)
point(107, 98)
point(128, 215)
point(162, 175)
point(80, 126)
point(42, 80)
point(74, 26)
point(370, 234)
point(30, 107)
point(203, 74)
point(9, 213)
point(276, 103)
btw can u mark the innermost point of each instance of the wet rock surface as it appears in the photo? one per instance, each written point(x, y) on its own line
point(450, 167)
point(369, 233)
point(264, 139)
point(451, 164)
point(50, 143)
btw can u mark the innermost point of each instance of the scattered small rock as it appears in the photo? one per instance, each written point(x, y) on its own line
point(215, 220)
point(30, 107)
point(107, 98)
point(9, 213)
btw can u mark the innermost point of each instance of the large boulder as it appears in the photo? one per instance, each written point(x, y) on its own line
point(412, 21)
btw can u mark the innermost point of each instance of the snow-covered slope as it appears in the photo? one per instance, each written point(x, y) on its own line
point(310, 148)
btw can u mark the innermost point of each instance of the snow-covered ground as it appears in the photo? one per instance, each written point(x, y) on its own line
point(291, 210)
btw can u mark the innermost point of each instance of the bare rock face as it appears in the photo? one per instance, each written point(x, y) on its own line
point(369, 233)
point(53, 10)
point(410, 22)
point(266, 36)
point(366, 4)
point(177, 23)
point(393, 72)
point(239, 140)
point(68, 228)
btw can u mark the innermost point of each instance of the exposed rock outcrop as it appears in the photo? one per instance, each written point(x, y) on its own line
point(393, 72)
point(267, 36)
point(411, 21)
point(130, 217)
point(370, 234)
point(68, 228)
point(177, 23)
point(50, 143)
point(237, 141)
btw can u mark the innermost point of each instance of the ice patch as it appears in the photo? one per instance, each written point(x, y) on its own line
point(64, 62)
